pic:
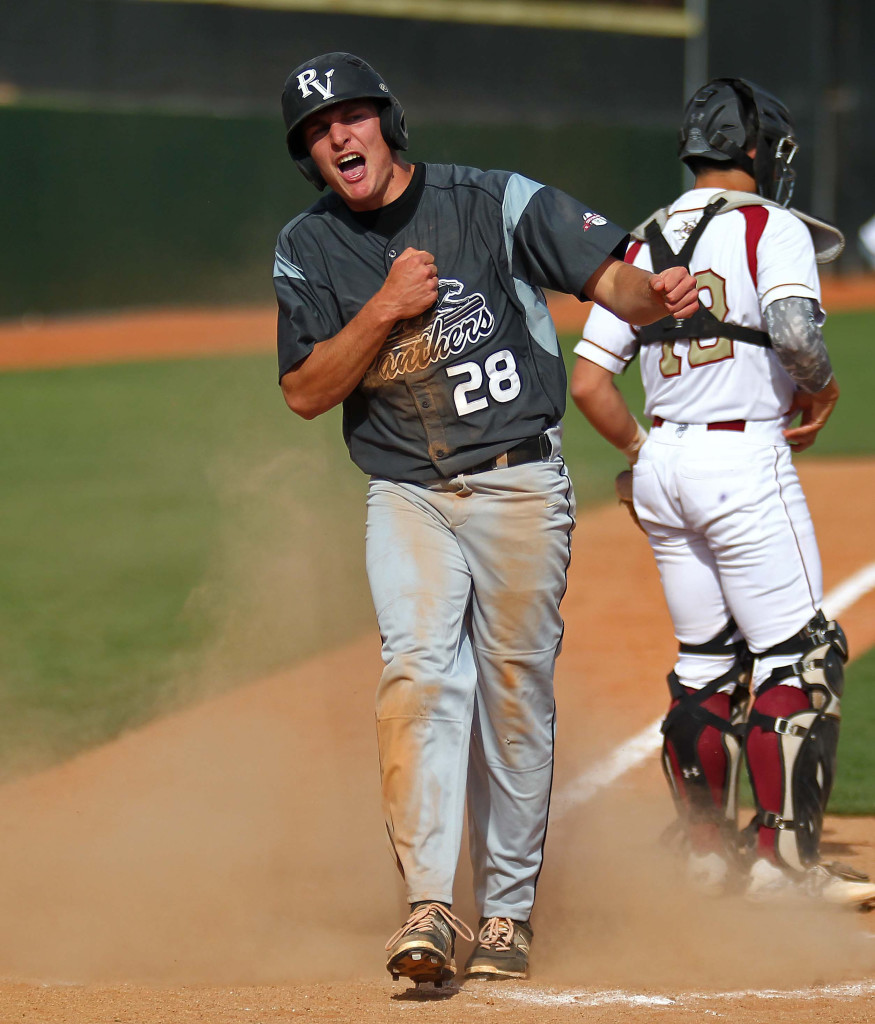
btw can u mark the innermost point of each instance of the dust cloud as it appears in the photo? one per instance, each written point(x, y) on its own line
point(241, 841)
point(615, 911)
point(287, 577)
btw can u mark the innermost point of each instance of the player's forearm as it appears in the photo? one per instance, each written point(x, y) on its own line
point(335, 366)
point(595, 394)
point(798, 343)
point(636, 301)
point(641, 298)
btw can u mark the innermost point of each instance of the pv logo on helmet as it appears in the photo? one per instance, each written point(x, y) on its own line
point(309, 77)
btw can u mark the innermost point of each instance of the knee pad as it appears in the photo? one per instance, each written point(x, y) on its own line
point(816, 632)
point(702, 747)
point(792, 740)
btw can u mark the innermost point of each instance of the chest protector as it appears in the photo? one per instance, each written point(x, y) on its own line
point(828, 244)
point(703, 323)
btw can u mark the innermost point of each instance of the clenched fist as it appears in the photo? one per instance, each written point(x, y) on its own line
point(676, 289)
point(411, 285)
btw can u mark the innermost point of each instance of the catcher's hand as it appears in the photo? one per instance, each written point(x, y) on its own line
point(623, 487)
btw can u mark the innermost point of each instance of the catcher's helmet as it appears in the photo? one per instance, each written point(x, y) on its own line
point(329, 79)
point(728, 116)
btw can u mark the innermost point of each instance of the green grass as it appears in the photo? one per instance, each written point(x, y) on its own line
point(853, 792)
point(849, 337)
point(169, 529)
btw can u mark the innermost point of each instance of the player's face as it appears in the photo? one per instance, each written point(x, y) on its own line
point(348, 147)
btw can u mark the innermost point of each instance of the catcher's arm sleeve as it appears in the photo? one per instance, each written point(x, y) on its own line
point(794, 327)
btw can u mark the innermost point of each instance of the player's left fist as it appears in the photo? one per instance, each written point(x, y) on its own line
point(676, 289)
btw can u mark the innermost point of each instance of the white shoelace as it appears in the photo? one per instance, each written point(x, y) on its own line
point(419, 917)
point(497, 933)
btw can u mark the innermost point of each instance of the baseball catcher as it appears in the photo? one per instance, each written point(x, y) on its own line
point(759, 674)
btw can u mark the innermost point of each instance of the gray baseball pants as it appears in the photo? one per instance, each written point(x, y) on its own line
point(467, 576)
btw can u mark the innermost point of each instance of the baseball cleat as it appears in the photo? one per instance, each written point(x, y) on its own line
point(422, 948)
point(838, 886)
point(708, 873)
point(502, 950)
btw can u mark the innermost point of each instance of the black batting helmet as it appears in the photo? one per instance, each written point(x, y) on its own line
point(329, 79)
point(728, 116)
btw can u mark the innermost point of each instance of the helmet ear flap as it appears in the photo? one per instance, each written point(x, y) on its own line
point(393, 125)
point(303, 161)
point(307, 167)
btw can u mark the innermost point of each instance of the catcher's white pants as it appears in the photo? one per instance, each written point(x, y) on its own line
point(728, 523)
point(467, 576)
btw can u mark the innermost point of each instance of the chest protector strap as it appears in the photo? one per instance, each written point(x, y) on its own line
point(703, 323)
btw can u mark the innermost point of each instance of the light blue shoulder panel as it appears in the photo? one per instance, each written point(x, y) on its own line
point(517, 195)
point(283, 267)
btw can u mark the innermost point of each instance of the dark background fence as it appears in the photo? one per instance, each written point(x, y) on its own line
point(143, 151)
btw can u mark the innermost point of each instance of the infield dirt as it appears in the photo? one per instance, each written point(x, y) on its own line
point(185, 333)
point(228, 863)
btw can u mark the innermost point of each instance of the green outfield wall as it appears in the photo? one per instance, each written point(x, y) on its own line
point(106, 210)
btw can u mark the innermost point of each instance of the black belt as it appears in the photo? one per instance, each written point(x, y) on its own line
point(533, 449)
point(721, 425)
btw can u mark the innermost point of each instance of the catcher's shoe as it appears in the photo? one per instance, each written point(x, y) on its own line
point(709, 873)
point(502, 950)
point(827, 883)
point(422, 949)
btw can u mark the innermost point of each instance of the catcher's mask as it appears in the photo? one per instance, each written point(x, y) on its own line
point(329, 79)
point(728, 116)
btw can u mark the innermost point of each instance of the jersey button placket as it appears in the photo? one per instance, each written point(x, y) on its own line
point(429, 413)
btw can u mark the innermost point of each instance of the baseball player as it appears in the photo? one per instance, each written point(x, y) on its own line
point(716, 492)
point(412, 295)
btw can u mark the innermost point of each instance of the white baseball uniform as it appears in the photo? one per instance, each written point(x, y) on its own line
point(714, 485)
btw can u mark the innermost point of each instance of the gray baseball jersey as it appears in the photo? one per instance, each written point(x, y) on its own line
point(480, 371)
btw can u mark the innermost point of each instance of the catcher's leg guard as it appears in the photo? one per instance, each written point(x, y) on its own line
point(702, 748)
point(791, 744)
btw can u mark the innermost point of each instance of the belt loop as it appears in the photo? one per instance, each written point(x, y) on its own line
point(738, 425)
point(546, 446)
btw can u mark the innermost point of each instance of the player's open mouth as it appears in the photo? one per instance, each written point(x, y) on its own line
point(351, 167)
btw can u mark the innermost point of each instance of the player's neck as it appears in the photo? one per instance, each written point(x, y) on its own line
point(734, 179)
point(402, 172)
